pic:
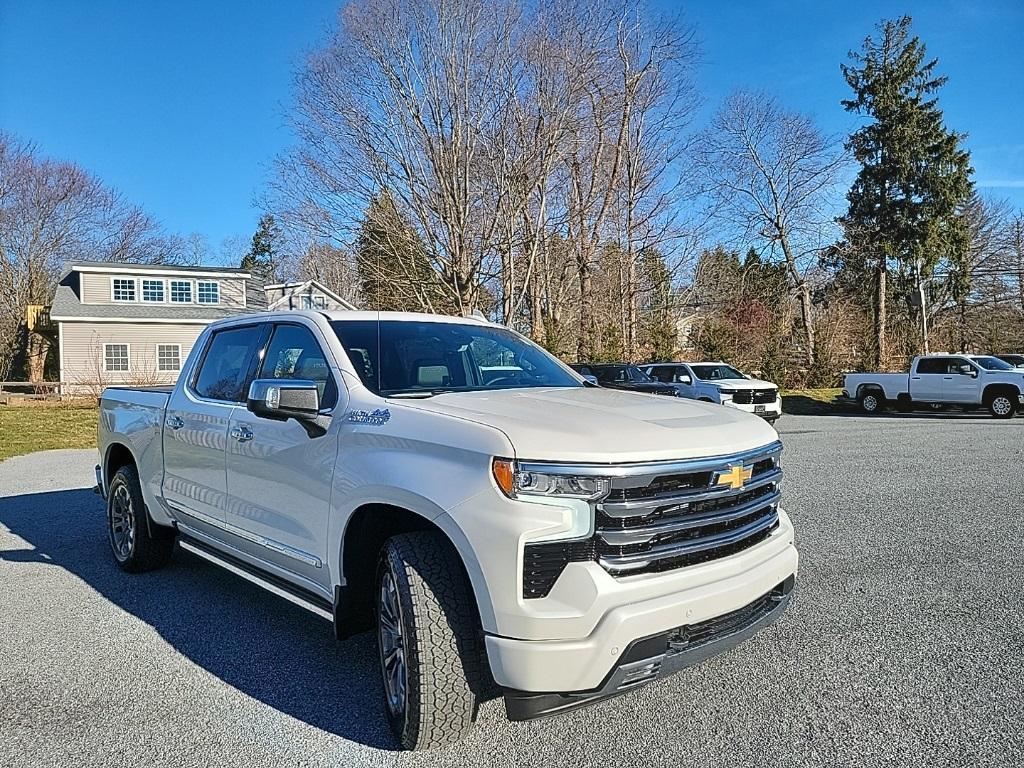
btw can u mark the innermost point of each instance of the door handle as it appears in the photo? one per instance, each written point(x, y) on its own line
point(242, 433)
point(175, 422)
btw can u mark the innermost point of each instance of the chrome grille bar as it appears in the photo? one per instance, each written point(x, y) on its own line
point(640, 560)
point(646, 533)
point(646, 505)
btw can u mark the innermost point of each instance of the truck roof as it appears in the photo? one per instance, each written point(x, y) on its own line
point(405, 317)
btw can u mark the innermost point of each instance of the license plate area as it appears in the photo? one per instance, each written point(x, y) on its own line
point(759, 409)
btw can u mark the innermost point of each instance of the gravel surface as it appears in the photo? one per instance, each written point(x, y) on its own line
point(904, 644)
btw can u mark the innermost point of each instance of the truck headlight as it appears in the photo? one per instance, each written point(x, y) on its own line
point(516, 482)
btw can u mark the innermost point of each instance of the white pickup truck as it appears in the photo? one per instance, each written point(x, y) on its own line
point(720, 383)
point(968, 381)
point(444, 481)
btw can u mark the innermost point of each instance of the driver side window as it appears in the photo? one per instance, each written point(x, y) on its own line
point(294, 353)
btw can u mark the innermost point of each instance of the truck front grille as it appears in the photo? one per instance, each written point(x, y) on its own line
point(754, 396)
point(663, 516)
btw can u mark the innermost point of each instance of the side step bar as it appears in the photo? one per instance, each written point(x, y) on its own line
point(277, 586)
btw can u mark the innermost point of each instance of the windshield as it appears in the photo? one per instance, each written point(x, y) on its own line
point(715, 372)
point(621, 373)
point(992, 363)
point(423, 358)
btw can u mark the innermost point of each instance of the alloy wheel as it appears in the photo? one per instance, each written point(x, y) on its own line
point(122, 523)
point(392, 644)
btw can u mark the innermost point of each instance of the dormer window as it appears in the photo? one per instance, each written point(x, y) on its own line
point(123, 289)
point(208, 292)
point(181, 291)
point(153, 290)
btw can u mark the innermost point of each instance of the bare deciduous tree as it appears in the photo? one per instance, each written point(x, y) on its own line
point(770, 173)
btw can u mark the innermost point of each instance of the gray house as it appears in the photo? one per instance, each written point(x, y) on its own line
point(136, 323)
point(308, 294)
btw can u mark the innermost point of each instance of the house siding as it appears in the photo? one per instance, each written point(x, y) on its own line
point(95, 289)
point(81, 353)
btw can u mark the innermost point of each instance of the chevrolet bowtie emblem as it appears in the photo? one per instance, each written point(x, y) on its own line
point(735, 477)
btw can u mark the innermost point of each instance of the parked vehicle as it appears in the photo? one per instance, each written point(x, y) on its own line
point(623, 376)
point(1017, 361)
point(939, 380)
point(720, 383)
point(460, 491)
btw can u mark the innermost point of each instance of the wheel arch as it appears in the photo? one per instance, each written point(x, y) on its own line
point(117, 455)
point(364, 534)
point(1000, 388)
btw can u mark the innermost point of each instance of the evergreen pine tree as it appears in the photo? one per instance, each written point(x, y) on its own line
point(904, 206)
point(264, 255)
point(392, 266)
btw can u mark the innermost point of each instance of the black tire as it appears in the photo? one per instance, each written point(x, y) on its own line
point(440, 649)
point(138, 544)
point(871, 401)
point(1002, 405)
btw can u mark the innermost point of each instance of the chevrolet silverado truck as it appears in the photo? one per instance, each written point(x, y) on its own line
point(498, 523)
point(968, 381)
point(720, 383)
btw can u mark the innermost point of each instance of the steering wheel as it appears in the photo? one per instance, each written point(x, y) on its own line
point(503, 380)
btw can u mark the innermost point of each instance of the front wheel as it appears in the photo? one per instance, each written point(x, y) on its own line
point(1002, 406)
point(427, 638)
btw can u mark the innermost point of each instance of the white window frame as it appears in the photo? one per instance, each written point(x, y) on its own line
point(215, 283)
point(127, 357)
point(191, 291)
point(168, 370)
point(135, 290)
point(316, 301)
point(142, 290)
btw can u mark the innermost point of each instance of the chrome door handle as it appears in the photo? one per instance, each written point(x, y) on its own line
point(242, 433)
point(175, 422)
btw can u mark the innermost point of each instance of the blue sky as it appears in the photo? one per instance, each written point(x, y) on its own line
point(179, 104)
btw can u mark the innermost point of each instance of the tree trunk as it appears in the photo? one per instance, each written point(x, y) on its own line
point(537, 330)
point(585, 343)
point(881, 347)
point(38, 347)
point(804, 293)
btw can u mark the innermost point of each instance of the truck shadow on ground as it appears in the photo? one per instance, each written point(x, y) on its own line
point(264, 646)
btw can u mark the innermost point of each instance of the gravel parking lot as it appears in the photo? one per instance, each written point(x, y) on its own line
point(903, 646)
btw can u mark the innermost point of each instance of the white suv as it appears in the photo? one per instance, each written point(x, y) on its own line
point(720, 383)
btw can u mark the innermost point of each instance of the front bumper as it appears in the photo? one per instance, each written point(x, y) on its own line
point(697, 595)
point(660, 655)
point(770, 410)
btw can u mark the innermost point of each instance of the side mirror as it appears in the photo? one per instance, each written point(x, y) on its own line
point(590, 378)
point(284, 399)
point(683, 378)
point(968, 370)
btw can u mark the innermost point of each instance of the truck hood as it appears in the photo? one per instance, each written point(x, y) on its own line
point(740, 384)
point(604, 425)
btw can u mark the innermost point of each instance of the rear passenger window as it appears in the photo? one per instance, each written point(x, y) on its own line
point(226, 364)
point(933, 365)
point(295, 354)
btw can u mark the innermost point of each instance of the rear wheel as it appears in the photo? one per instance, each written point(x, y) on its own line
point(870, 401)
point(1002, 405)
point(137, 543)
point(427, 637)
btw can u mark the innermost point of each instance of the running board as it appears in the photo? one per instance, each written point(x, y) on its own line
point(273, 584)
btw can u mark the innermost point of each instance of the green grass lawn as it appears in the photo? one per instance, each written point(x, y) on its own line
point(809, 401)
point(28, 428)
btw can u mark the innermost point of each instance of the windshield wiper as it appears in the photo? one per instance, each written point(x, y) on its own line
point(417, 394)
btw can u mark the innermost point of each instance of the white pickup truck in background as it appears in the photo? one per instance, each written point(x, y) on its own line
point(720, 383)
point(968, 381)
point(453, 486)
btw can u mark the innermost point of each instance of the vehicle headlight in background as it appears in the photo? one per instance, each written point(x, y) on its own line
point(727, 392)
point(516, 482)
